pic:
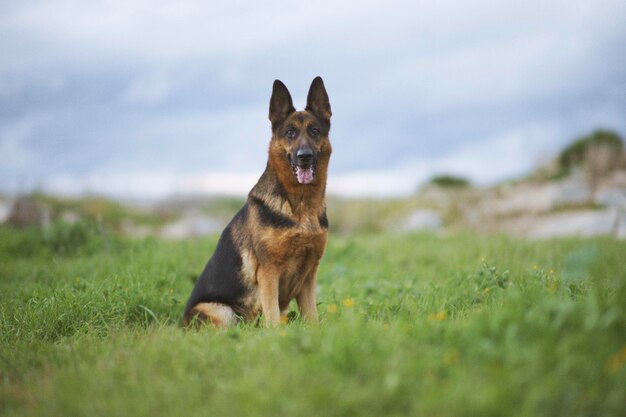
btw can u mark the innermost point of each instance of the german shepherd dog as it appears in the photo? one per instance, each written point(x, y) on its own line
point(269, 252)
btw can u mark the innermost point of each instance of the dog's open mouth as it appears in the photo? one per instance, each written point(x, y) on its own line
point(305, 174)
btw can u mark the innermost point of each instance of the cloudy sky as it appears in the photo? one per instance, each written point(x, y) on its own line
point(153, 98)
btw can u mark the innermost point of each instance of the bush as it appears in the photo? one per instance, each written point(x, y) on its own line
point(61, 238)
point(450, 181)
point(602, 150)
point(66, 239)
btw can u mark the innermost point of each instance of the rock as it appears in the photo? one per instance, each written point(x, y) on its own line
point(131, 229)
point(70, 217)
point(611, 197)
point(538, 198)
point(27, 212)
point(520, 198)
point(423, 220)
point(612, 191)
point(5, 210)
point(192, 224)
point(571, 192)
point(576, 223)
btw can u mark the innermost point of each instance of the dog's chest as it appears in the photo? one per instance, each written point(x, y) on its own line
point(298, 263)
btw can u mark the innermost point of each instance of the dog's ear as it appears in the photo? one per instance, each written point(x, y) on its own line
point(281, 105)
point(317, 100)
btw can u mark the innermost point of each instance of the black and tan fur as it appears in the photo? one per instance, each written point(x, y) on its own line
point(270, 251)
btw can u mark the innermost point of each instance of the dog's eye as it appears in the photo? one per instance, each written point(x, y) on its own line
point(314, 132)
point(290, 134)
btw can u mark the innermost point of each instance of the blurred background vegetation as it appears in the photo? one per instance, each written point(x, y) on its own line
point(585, 179)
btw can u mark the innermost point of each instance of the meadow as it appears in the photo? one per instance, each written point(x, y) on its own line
point(411, 324)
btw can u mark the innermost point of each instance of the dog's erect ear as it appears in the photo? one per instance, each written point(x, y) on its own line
point(317, 100)
point(281, 105)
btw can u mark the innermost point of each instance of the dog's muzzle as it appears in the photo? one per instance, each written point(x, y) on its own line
point(303, 165)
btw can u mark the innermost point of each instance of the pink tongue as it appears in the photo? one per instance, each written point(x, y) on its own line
point(304, 175)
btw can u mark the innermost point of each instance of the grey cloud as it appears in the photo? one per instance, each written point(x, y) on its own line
point(92, 87)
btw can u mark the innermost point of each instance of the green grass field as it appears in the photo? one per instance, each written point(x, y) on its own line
point(411, 325)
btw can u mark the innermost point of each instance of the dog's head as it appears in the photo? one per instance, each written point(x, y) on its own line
point(301, 136)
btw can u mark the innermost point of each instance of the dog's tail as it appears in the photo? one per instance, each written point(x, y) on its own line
point(219, 315)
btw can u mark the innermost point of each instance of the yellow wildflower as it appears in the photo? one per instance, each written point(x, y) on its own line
point(438, 316)
point(616, 361)
point(451, 357)
point(332, 308)
point(347, 303)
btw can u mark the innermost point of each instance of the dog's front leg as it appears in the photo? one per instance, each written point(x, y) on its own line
point(268, 292)
point(306, 298)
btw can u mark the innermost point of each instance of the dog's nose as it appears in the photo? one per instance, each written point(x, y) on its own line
point(304, 155)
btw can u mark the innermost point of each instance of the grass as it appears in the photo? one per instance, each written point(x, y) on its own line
point(415, 325)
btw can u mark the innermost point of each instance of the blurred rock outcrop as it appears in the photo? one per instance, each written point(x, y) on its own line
point(422, 219)
point(28, 212)
point(191, 224)
point(568, 206)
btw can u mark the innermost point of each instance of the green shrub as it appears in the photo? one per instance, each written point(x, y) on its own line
point(61, 238)
point(22, 243)
point(66, 239)
point(578, 152)
point(449, 181)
